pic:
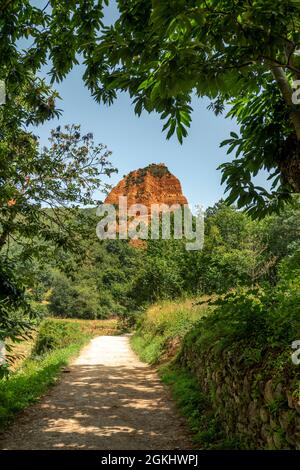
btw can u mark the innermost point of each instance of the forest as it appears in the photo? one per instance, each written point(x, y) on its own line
point(113, 278)
point(220, 325)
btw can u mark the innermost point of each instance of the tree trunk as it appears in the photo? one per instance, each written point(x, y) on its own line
point(7, 228)
point(3, 237)
point(289, 163)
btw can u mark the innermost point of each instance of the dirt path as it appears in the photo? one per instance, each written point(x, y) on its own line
point(109, 400)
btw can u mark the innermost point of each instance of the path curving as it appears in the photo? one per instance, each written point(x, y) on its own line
point(108, 401)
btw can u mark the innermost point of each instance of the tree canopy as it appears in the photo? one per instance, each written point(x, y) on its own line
point(41, 192)
point(162, 54)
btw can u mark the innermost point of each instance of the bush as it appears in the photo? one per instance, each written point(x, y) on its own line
point(247, 333)
point(251, 320)
point(159, 279)
point(289, 268)
point(68, 300)
point(163, 326)
point(40, 309)
point(56, 334)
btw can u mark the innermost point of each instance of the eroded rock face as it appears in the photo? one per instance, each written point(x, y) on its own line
point(151, 185)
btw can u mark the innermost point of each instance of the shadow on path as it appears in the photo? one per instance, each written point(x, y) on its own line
point(109, 400)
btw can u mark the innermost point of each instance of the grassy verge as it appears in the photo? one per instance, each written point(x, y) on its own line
point(158, 340)
point(55, 343)
point(94, 327)
point(91, 328)
point(231, 372)
point(191, 402)
point(162, 328)
point(195, 406)
point(32, 380)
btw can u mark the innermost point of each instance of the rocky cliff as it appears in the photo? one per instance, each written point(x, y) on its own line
point(151, 185)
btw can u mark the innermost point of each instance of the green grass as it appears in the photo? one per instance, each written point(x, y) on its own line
point(195, 406)
point(191, 402)
point(162, 328)
point(56, 342)
point(32, 380)
point(158, 340)
point(149, 349)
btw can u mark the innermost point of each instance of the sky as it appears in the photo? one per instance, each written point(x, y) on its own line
point(138, 141)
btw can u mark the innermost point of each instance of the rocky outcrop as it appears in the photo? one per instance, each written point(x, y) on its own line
point(151, 185)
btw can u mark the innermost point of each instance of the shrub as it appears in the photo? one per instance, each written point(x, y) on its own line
point(163, 326)
point(73, 301)
point(40, 309)
point(251, 319)
point(56, 334)
point(245, 334)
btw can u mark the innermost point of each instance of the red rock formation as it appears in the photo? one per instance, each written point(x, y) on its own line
point(151, 185)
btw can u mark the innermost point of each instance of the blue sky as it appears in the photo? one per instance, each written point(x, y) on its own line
point(136, 142)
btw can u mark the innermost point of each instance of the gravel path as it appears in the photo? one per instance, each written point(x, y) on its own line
point(108, 401)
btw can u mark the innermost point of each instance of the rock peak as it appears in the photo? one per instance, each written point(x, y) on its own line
point(154, 184)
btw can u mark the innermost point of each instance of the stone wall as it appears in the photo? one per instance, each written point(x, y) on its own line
point(260, 403)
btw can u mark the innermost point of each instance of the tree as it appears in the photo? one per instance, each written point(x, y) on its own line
point(69, 300)
point(15, 314)
point(40, 195)
point(161, 274)
point(266, 142)
point(31, 37)
point(163, 52)
point(41, 190)
point(239, 251)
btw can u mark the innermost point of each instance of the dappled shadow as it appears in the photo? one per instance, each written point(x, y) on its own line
point(101, 407)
